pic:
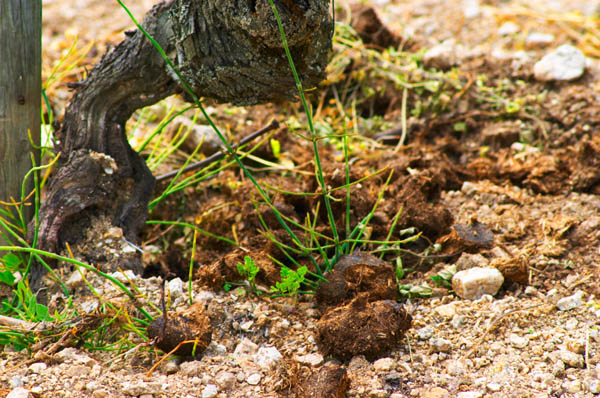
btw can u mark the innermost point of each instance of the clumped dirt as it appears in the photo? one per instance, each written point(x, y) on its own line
point(362, 328)
point(492, 183)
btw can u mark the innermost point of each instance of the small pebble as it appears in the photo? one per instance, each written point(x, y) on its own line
point(310, 359)
point(558, 369)
point(37, 367)
point(19, 392)
point(75, 279)
point(170, 367)
point(572, 386)
point(210, 391)
point(245, 347)
point(268, 357)
point(593, 386)
point(441, 56)
point(16, 381)
point(467, 261)
point(570, 358)
point(441, 345)
point(518, 341)
point(225, 380)
point(175, 287)
point(192, 368)
point(508, 28)
point(455, 368)
point(471, 8)
point(446, 310)
point(538, 40)
point(570, 302)
point(383, 364)
point(457, 321)
point(564, 63)
point(494, 387)
point(476, 282)
point(425, 333)
point(254, 379)
point(531, 291)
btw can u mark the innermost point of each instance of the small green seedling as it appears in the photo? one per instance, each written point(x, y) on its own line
point(444, 277)
point(413, 291)
point(248, 271)
point(9, 265)
point(290, 281)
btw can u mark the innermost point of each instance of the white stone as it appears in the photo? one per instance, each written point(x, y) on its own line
point(508, 28)
point(441, 345)
point(73, 355)
point(457, 321)
point(446, 310)
point(310, 359)
point(254, 379)
point(225, 380)
point(75, 279)
point(135, 388)
point(204, 296)
point(128, 247)
point(531, 291)
point(175, 287)
point(593, 386)
point(518, 341)
point(494, 387)
point(210, 391)
point(425, 333)
point(469, 188)
point(537, 39)
point(570, 358)
point(471, 8)
point(268, 357)
point(192, 368)
point(37, 367)
point(245, 347)
point(383, 364)
point(564, 63)
point(476, 282)
point(455, 368)
point(124, 276)
point(572, 386)
point(170, 367)
point(16, 381)
point(246, 326)
point(442, 56)
point(19, 392)
point(570, 302)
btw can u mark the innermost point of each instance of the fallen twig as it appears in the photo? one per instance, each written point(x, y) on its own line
point(221, 154)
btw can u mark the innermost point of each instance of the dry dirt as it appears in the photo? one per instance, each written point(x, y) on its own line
point(464, 164)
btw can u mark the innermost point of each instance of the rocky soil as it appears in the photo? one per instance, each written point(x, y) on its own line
point(538, 336)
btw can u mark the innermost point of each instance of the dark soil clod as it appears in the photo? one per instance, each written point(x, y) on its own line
point(356, 273)
point(361, 327)
point(190, 325)
point(328, 381)
point(371, 30)
point(467, 238)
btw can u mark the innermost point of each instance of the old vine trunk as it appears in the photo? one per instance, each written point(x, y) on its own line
point(229, 50)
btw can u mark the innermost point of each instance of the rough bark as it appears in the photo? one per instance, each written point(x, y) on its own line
point(229, 50)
